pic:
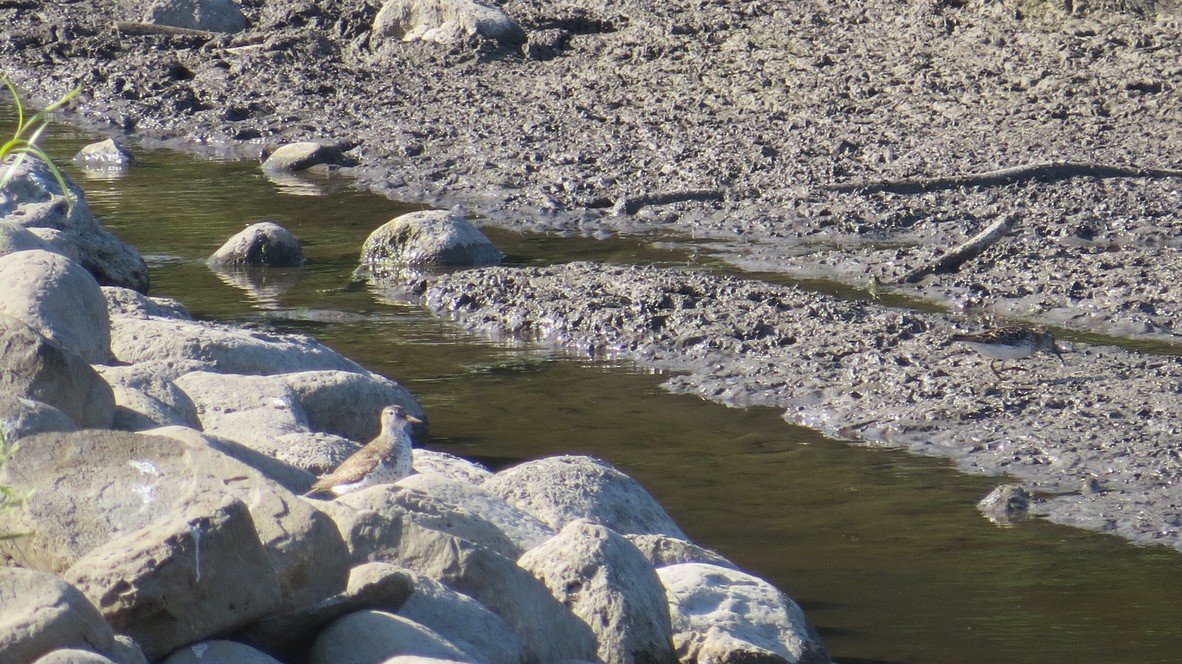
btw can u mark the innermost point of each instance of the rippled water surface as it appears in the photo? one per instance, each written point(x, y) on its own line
point(885, 551)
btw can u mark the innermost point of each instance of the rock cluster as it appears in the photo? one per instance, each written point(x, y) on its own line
point(161, 461)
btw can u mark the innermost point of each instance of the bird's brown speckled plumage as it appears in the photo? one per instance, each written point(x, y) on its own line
point(1010, 343)
point(383, 460)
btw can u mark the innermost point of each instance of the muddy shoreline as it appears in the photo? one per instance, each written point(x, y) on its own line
point(768, 112)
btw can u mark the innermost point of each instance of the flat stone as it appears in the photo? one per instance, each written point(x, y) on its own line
point(206, 15)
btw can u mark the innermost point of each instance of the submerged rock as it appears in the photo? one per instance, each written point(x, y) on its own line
point(104, 155)
point(1006, 505)
point(304, 155)
point(265, 244)
point(427, 239)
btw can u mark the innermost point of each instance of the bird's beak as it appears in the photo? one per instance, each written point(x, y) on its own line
point(414, 420)
point(1059, 353)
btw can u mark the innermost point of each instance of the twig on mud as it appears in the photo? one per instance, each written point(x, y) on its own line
point(136, 28)
point(952, 260)
point(633, 204)
point(1052, 171)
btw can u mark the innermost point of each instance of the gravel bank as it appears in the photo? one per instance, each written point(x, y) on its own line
point(789, 130)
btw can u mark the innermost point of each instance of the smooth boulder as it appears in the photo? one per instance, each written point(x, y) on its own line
point(523, 530)
point(303, 155)
point(25, 417)
point(609, 584)
point(60, 299)
point(434, 545)
point(265, 244)
point(445, 22)
point(109, 483)
point(219, 652)
point(366, 637)
point(106, 155)
point(426, 239)
point(35, 368)
point(724, 615)
point(40, 612)
point(289, 636)
point(33, 199)
point(197, 572)
point(434, 462)
point(462, 621)
point(559, 490)
point(225, 348)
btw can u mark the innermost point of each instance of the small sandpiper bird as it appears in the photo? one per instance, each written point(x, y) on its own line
point(383, 460)
point(1010, 343)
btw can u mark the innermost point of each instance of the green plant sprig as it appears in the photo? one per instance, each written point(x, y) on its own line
point(24, 141)
point(10, 498)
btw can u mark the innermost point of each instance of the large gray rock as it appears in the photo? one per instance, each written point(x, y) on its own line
point(558, 490)
point(20, 417)
point(146, 397)
point(14, 237)
point(207, 15)
point(445, 22)
point(287, 476)
point(197, 572)
point(57, 297)
point(391, 507)
point(523, 530)
point(611, 586)
point(429, 238)
point(270, 413)
point(289, 636)
point(35, 368)
point(247, 409)
point(349, 403)
point(724, 615)
point(40, 612)
point(127, 303)
point(549, 632)
point(463, 621)
point(108, 484)
point(433, 462)
point(662, 550)
point(33, 200)
point(366, 637)
point(265, 244)
point(304, 155)
point(220, 652)
point(228, 349)
point(73, 656)
point(106, 155)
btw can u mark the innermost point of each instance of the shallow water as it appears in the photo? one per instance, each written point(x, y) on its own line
point(884, 550)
